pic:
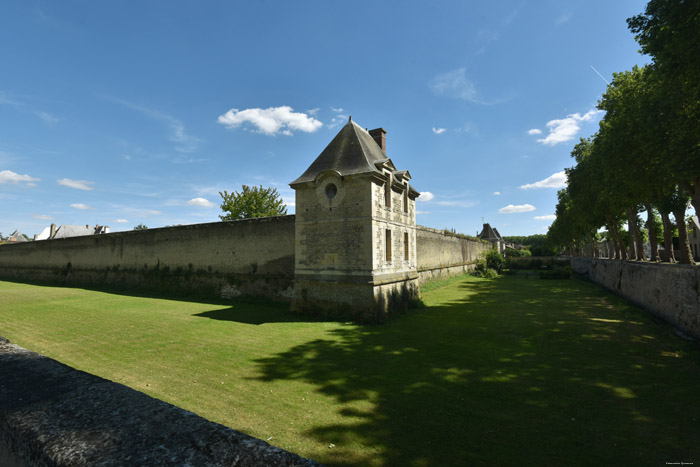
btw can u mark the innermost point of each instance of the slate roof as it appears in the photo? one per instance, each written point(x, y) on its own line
point(67, 231)
point(489, 233)
point(352, 151)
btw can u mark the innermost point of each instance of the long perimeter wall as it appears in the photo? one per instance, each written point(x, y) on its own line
point(443, 255)
point(224, 259)
point(247, 257)
point(670, 291)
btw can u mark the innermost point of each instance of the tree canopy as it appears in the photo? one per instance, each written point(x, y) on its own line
point(251, 202)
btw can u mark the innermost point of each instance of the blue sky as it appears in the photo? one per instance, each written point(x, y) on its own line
point(127, 113)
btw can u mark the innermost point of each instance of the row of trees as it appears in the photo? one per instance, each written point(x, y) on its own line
point(646, 153)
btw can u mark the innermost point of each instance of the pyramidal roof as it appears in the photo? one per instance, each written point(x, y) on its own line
point(352, 151)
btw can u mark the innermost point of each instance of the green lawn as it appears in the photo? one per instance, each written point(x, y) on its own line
point(511, 371)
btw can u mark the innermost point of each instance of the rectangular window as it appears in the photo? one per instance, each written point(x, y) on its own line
point(405, 246)
point(405, 200)
point(388, 245)
point(387, 192)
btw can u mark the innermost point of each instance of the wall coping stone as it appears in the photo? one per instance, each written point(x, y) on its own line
point(52, 414)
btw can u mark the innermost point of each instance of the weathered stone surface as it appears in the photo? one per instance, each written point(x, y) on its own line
point(54, 415)
point(670, 291)
point(256, 256)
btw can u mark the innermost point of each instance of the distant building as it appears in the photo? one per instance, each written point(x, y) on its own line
point(492, 236)
point(16, 237)
point(67, 231)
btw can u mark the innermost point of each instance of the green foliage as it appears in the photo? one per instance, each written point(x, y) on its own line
point(251, 202)
point(513, 253)
point(494, 260)
point(141, 227)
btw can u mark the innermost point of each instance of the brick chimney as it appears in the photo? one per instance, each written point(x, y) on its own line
point(379, 136)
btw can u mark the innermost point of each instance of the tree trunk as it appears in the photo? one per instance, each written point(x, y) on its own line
point(684, 243)
point(620, 251)
point(693, 189)
point(632, 233)
point(651, 225)
point(669, 257)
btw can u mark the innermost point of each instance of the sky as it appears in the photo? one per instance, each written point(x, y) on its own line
point(123, 113)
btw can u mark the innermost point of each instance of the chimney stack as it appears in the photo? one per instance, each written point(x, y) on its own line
point(53, 231)
point(379, 136)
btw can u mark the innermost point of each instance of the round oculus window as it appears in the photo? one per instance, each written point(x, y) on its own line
point(331, 190)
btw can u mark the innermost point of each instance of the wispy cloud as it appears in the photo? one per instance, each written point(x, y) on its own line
point(438, 131)
point(46, 117)
point(178, 134)
point(549, 217)
point(77, 184)
point(496, 193)
point(337, 109)
point(557, 180)
point(81, 206)
point(566, 129)
point(457, 85)
point(563, 18)
point(458, 203)
point(43, 217)
point(8, 176)
point(510, 209)
point(271, 121)
point(201, 202)
point(534, 131)
point(121, 221)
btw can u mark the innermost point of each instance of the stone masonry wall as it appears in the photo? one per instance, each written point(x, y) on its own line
point(441, 255)
point(54, 415)
point(670, 291)
point(251, 257)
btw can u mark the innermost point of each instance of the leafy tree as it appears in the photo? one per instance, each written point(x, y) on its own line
point(141, 227)
point(669, 31)
point(251, 202)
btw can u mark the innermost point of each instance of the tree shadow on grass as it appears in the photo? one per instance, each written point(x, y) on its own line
point(508, 372)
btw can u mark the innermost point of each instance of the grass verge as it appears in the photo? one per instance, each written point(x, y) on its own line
point(511, 371)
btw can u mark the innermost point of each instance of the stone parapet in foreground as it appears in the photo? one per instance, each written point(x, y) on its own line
point(54, 415)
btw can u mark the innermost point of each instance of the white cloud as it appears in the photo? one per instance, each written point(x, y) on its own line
point(337, 109)
point(557, 180)
point(496, 193)
point(534, 131)
point(121, 221)
point(438, 131)
point(81, 206)
point(8, 176)
point(202, 202)
point(549, 217)
point(42, 217)
point(77, 184)
point(272, 120)
point(313, 111)
point(566, 129)
point(426, 196)
point(510, 209)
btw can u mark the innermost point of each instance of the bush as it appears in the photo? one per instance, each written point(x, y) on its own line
point(559, 272)
point(513, 253)
point(495, 261)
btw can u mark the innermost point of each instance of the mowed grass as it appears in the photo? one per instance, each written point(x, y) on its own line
point(511, 371)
